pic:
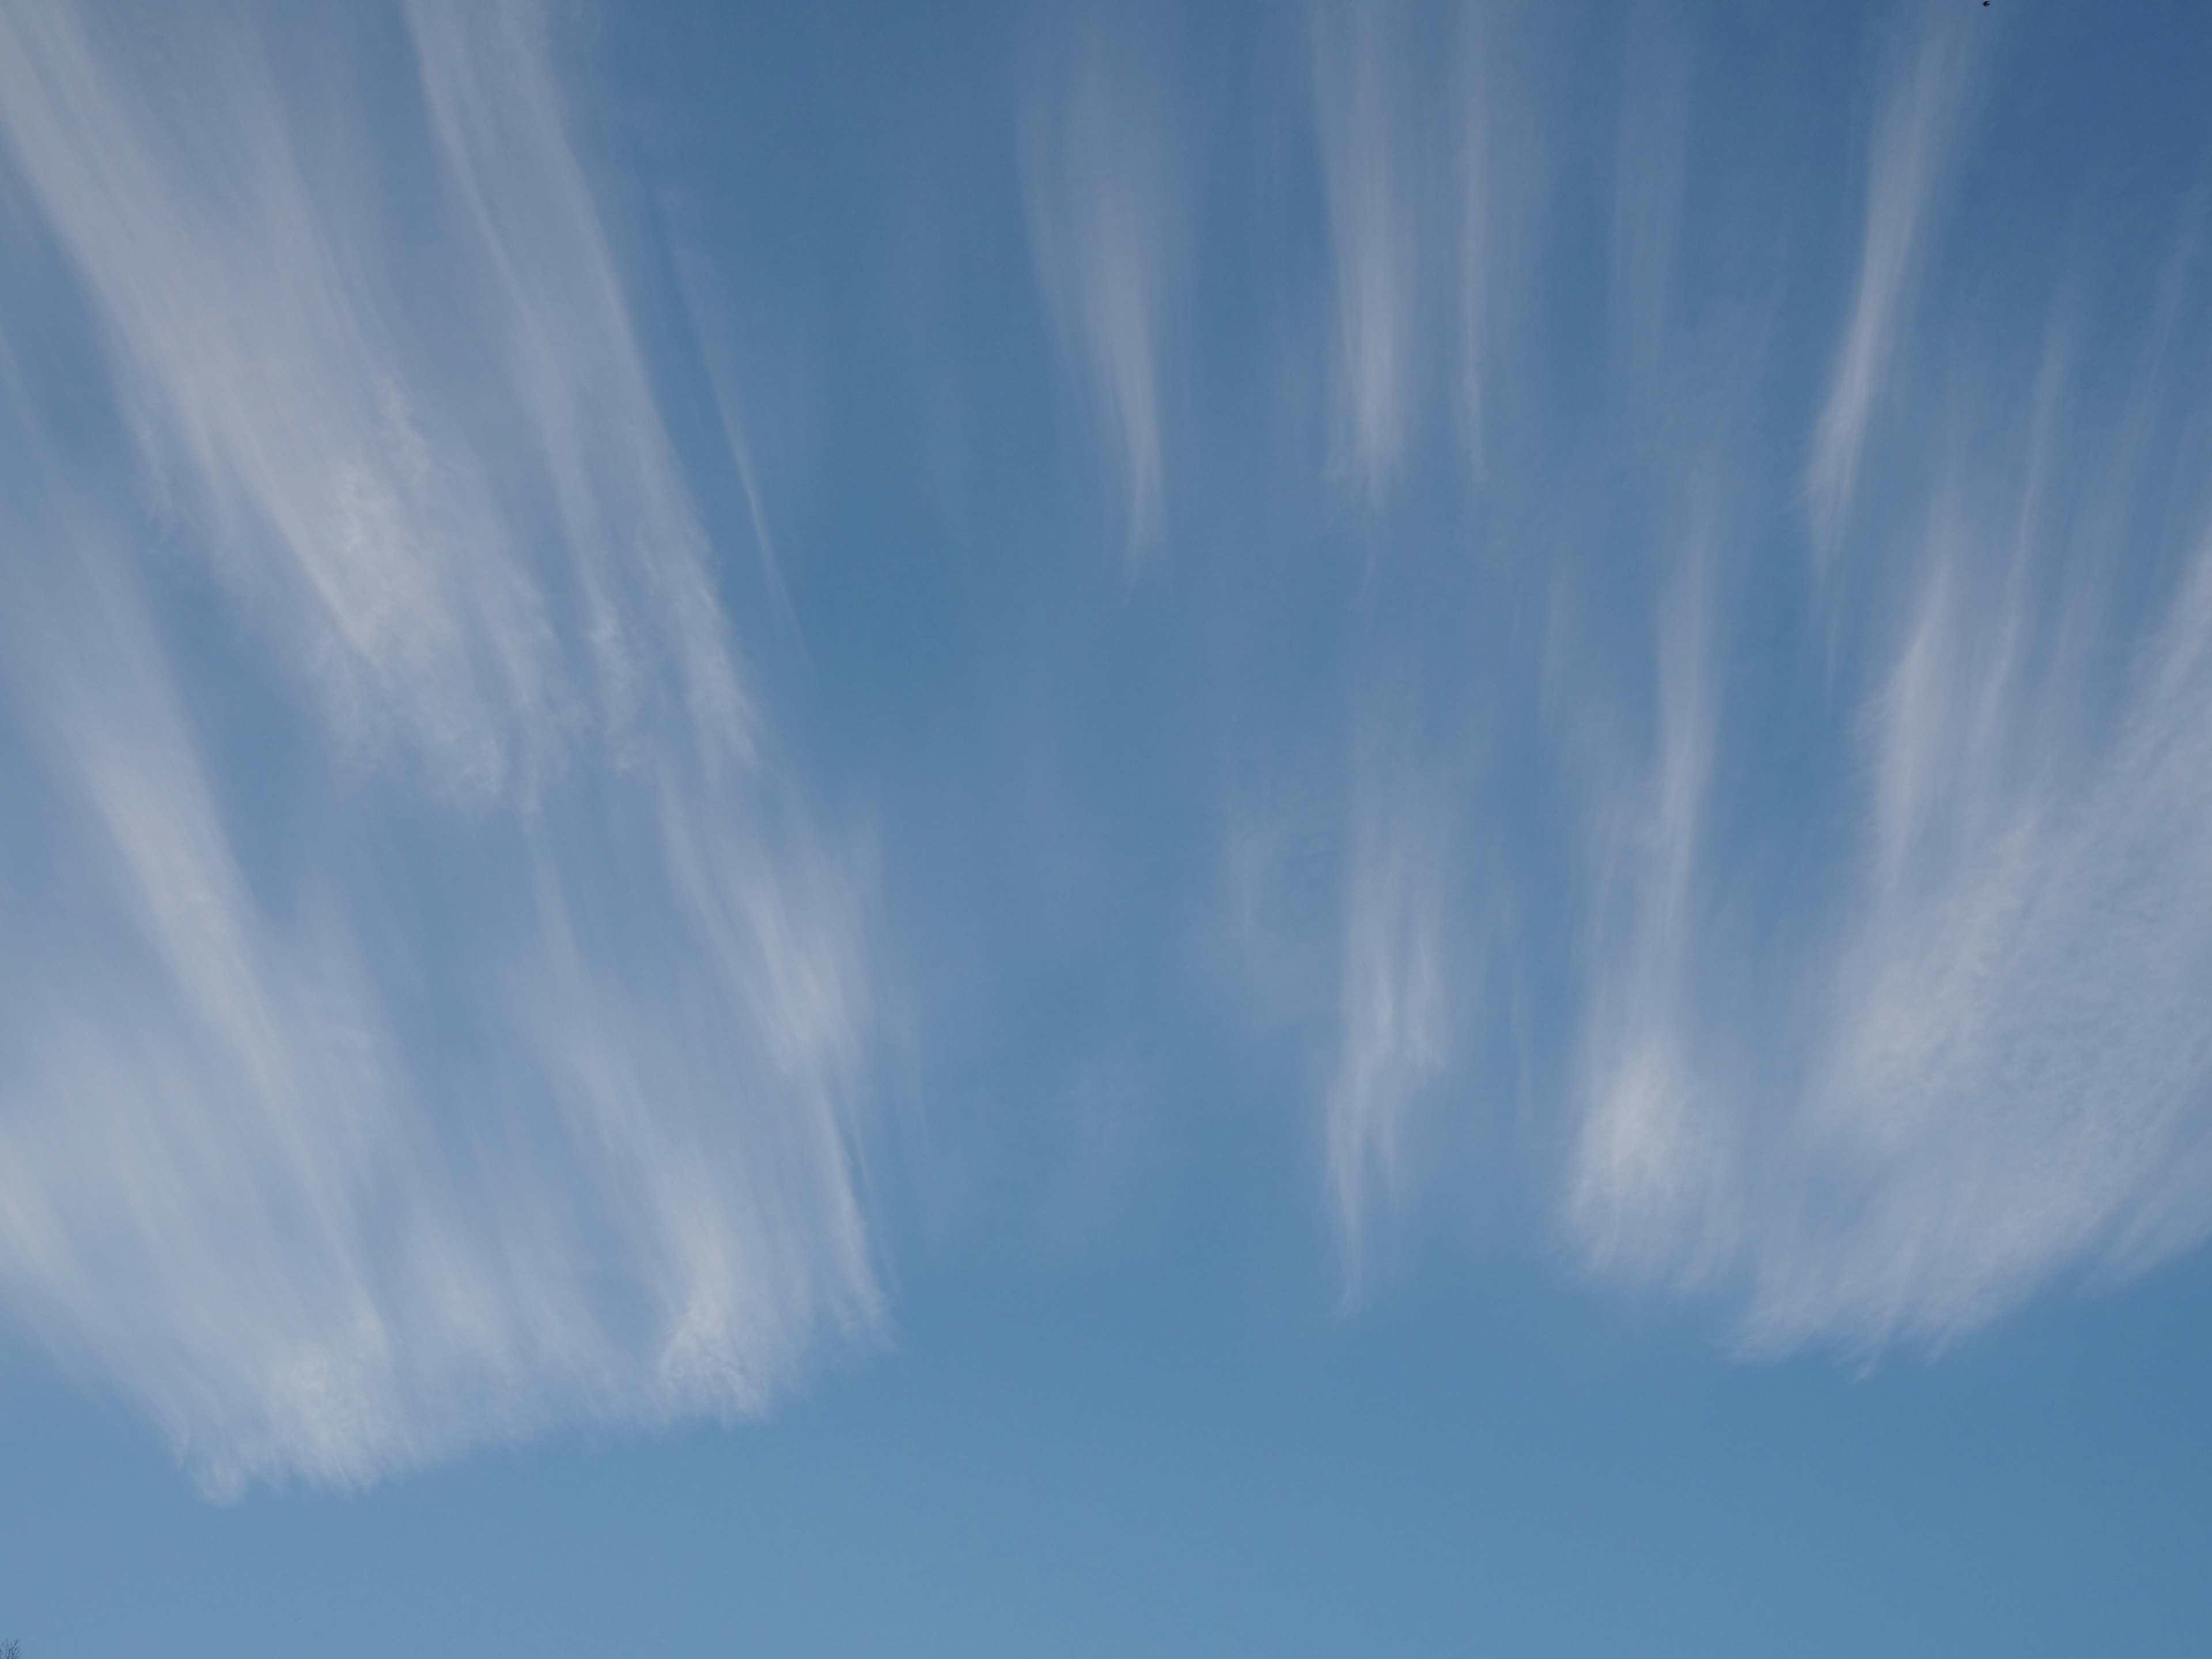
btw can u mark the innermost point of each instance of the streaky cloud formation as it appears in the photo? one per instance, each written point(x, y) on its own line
point(1396, 979)
point(1648, 1169)
point(1433, 165)
point(515, 1083)
point(1915, 130)
point(1890, 1107)
point(1948, 1059)
point(2014, 1074)
point(1651, 684)
point(1106, 172)
point(1361, 110)
point(2003, 1071)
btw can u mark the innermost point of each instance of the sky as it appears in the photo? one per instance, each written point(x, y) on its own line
point(1033, 829)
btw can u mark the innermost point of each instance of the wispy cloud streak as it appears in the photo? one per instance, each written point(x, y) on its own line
point(1106, 174)
point(475, 1043)
point(1360, 103)
point(1653, 1154)
point(1394, 1014)
point(2015, 1072)
point(1915, 127)
point(1432, 169)
point(1986, 1065)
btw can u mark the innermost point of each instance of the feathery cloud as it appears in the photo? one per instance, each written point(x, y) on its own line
point(1915, 128)
point(1106, 170)
point(472, 1040)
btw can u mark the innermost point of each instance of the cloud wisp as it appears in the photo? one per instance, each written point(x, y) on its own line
point(1107, 168)
point(1888, 1100)
point(1915, 130)
point(2014, 1074)
point(1396, 994)
point(2002, 1072)
point(470, 1039)
point(1950, 1057)
point(1360, 110)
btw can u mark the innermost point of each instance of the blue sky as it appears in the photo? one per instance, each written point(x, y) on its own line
point(1055, 830)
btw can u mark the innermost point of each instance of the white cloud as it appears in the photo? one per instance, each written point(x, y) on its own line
point(1494, 188)
point(1361, 106)
point(1105, 172)
point(470, 1040)
point(1654, 1152)
point(2016, 1072)
point(1984, 1061)
point(1914, 129)
point(1434, 166)
point(1887, 910)
point(1394, 1015)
